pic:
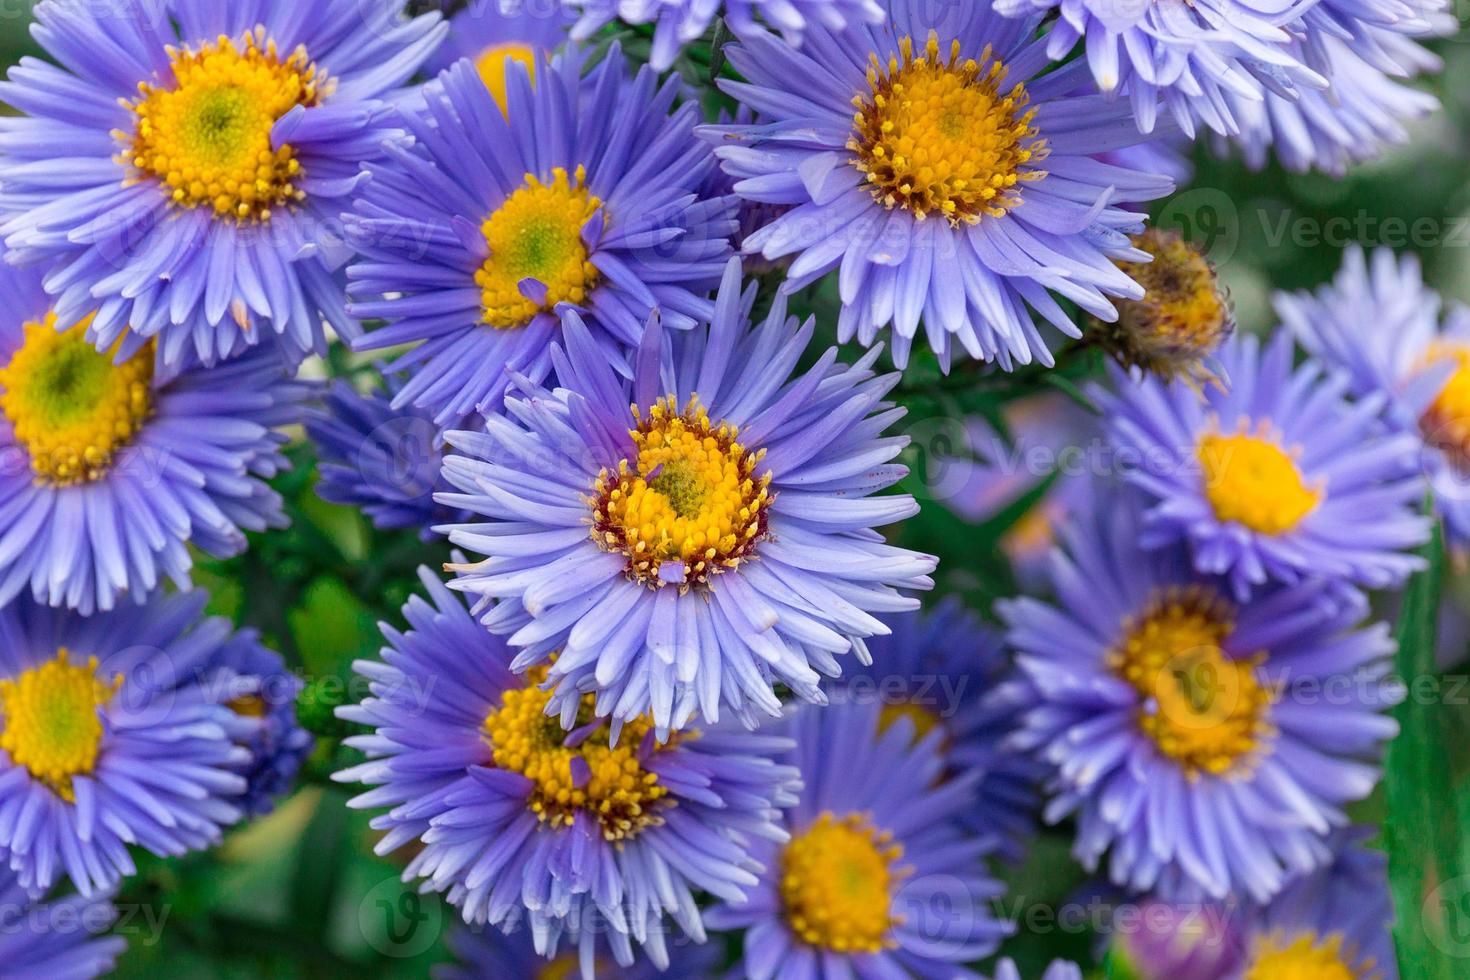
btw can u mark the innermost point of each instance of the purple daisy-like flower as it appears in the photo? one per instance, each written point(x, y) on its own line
point(686, 539)
point(1201, 743)
point(62, 939)
point(964, 204)
point(384, 460)
point(947, 670)
point(679, 22)
point(110, 741)
point(1194, 59)
point(497, 33)
point(253, 682)
point(1333, 921)
point(1276, 476)
point(110, 468)
point(486, 953)
point(880, 876)
point(180, 172)
point(1382, 328)
point(584, 196)
point(595, 835)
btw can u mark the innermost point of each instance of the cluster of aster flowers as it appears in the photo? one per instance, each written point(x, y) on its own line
point(680, 678)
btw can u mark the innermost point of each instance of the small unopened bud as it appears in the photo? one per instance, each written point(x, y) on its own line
point(1182, 318)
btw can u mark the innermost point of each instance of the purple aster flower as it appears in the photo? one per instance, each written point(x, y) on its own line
point(880, 876)
point(1194, 59)
point(181, 173)
point(110, 741)
point(691, 537)
point(1334, 921)
point(384, 460)
point(584, 197)
point(969, 228)
point(1276, 477)
point(1381, 327)
point(485, 953)
point(947, 670)
point(110, 468)
point(1200, 743)
point(525, 825)
point(679, 22)
point(495, 34)
point(63, 939)
point(253, 682)
point(1356, 119)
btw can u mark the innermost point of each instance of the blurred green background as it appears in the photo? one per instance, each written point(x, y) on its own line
point(300, 894)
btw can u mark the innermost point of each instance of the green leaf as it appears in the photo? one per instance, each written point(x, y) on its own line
point(1426, 874)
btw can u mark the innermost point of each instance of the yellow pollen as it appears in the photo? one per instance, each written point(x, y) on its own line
point(925, 721)
point(838, 879)
point(536, 234)
point(1251, 480)
point(1446, 423)
point(51, 723)
point(1181, 319)
point(690, 495)
point(494, 66)
point(207, 134)
point(593, 777)
point(248, 706)
point(937, 136)
point(1307, 956)
point(71, 407)
point(1202, 707)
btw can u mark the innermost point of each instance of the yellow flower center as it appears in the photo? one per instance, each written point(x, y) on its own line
point(494, 63)
point(1202, 707)
point(940, 136)
point(207, 136)
point(1307, 956)
point(71, 407)
point(838, 879)
point(925, 721)
point(591, 776)
point(1251, 480)
point(1183, 315)
point(690, 495)
point(51, 723)
point(1446, 423)
point(536, 234)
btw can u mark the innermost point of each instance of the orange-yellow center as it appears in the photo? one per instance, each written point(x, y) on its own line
point(206, 133)
point(536, 235)
point(1201, 706)
point(1307, 956)
point(838, 880)
point(605, 781)
point(1183, 315)
point(52, 726)
point(494, 65)
point(1249, 479)
point(939, 136)
point(689, 495)
point(71, 407)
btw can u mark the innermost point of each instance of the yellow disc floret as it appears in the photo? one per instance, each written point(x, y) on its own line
point(1202, 707)
point(838, 879)
point(71, 407)
point(924, 720)
point(536, 234)
point(689, 495)
point(940, 136)
point(583, 774)
point(1183, 315)
point(206, 133)
point(494, 66)
point(1248, 478)
point(1306, 956)
point(52, 727)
